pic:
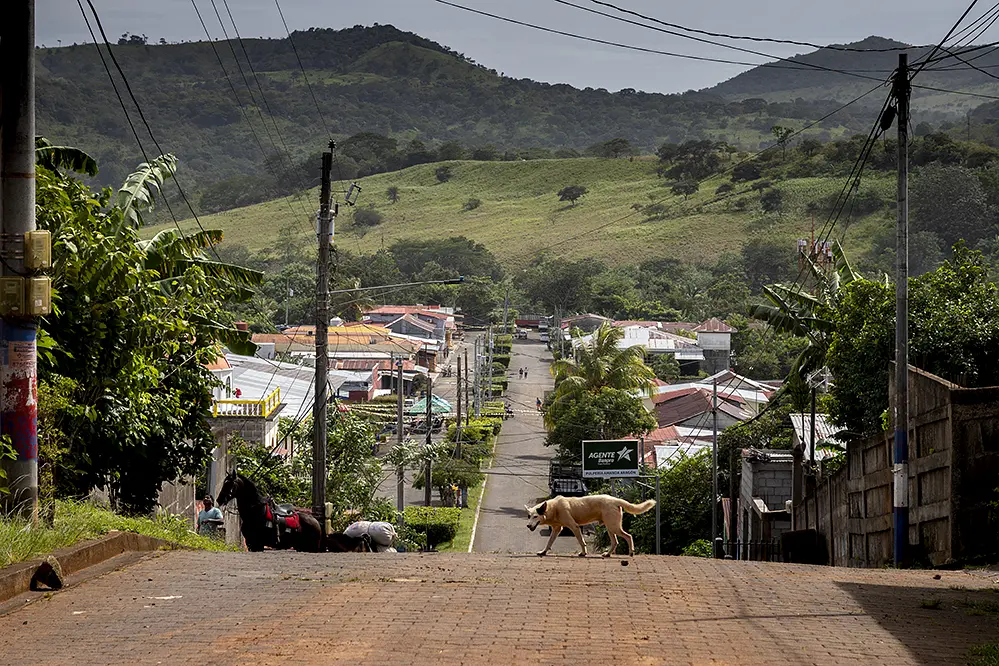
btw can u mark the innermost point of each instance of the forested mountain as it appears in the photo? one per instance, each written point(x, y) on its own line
point(383, 80)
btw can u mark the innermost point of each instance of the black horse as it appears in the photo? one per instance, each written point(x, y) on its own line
point(266, 524)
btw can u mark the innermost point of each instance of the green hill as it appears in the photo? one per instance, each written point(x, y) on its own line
point(395, 83)
point(520, 213)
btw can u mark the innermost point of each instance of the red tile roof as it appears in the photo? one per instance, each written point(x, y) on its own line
point(714, 325)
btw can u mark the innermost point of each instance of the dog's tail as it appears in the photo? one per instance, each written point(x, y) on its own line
point(636, 509)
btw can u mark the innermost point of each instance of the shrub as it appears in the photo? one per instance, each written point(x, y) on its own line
point(699, 548)
point(472, 204)
point(724, 187)
point(443, 173)
point(771, 201)
point(367, 217)
point(760, 185)
point(437, 524)
point(745, 172)
point(498, 369)
point(503, 359)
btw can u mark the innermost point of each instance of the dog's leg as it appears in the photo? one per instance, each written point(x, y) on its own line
point(579, 537)
point(631, 543)
point(613, 544)
point(555, 532)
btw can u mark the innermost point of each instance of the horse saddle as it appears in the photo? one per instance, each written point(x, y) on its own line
point(284, 515)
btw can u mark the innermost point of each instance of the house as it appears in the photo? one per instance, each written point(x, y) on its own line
point(692, 408)
point(442, 319)
point(764, 499)
point(356, 385)
point(825, 436)
point(714, 337)
point(412, 326)
point(587, 323)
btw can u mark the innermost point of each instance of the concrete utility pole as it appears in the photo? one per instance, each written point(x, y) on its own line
point(478, 378)
point(900, 469)
point(19, 390)
point(319, 409)
point(714, 470)
point(467, 393)
point(400, 472)
point(457, 426)
point(489, 366)
point(427, 475)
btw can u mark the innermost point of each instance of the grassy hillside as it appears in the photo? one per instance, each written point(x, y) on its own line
point(520, 213)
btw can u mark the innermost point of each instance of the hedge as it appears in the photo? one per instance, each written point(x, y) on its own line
point(503, 359)
point(439, 524)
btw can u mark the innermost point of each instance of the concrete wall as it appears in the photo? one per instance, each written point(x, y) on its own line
point(769, 482)
point(953, 479)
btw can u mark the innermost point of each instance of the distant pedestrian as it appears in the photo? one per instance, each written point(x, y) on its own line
point(537, 401)
point(521, 373)
point(525, 373)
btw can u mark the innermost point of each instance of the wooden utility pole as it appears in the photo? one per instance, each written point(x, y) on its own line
point(430, 414)
point(900, 469)
point(319, 408)
point(19, 392)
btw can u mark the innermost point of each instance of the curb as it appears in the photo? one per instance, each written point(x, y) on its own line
point(16, 579)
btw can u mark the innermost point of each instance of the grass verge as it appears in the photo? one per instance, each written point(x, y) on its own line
point(79, 521)
point(464, 536)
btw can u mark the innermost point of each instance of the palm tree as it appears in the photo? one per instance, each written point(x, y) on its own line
point(598, 364)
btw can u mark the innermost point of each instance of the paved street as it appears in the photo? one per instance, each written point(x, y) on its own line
point(192, 607)
point(519, 474)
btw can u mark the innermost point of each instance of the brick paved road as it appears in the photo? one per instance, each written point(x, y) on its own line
point(277, 608)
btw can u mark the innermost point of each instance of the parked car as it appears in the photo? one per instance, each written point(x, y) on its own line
point(521, 333)
point(544, 337)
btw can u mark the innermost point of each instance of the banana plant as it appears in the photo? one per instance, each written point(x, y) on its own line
point(800, 312)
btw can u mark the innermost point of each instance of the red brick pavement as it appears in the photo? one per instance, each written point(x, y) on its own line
point(275, 608)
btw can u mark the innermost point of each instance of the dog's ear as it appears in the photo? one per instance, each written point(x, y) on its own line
point(541, 509)
point(528, 509)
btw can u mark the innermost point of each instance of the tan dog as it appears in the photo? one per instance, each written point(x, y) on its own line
point(572, 512)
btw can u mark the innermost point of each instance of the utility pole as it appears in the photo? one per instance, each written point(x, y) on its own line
point(427, 476)
point(506, 302)
point(714, 469)
point(287, 297)
point(457, 426)
point(900, 469)
point(467, 394)
point(19, 392)
point(400, 478)
point(478, 377)
point(319, 408)
point(489, 366)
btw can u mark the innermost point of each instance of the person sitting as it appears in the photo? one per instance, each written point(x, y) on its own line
point(210, 518)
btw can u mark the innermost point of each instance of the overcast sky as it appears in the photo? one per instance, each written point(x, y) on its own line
point(523, 52)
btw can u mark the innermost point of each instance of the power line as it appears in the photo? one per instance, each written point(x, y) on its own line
point(793, 42)
point(943, 41)
point(631, 47)
point(305, 75)
point(807, 65)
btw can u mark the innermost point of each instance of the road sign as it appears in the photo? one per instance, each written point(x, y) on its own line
point(608, 459)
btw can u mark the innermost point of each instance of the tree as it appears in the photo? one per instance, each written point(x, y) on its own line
point(666, 367)
point(443, 173)
point(597, 364)
point(559, 285)
point(693, 160)
point(686, 188)
point(953, 332)
point(606, 413)
point(746, 171)
point(613, 148)
point(951, 202)
point(782, 135)
point(392, 193)
point(572, 193)
point(135, 324)
point(771, 201)
point(450, 151)
point(367, 217)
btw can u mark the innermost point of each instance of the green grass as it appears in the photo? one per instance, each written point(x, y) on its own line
point(520, 212)
point(986, 654)
point(464, 536)
point(78, 521)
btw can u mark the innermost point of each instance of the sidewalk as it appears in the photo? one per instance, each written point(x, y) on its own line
point(277, 608)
